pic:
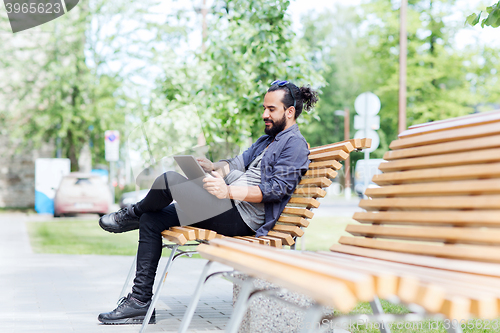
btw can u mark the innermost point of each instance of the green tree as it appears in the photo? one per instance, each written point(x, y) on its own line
point(79, 81)
point(250, 44)
point(443, 81)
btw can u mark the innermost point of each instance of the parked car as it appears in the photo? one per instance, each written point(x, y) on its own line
point(359, 174)
point(128, 198)
point(82, 193)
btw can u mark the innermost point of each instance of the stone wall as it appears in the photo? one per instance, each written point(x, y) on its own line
point(17, 173)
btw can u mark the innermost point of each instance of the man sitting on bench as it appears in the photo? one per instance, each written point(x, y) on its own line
point(261, 180)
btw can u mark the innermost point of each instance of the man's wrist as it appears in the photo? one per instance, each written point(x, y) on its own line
point(229, 196)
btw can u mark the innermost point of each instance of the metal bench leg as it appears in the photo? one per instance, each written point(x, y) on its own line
point(129, 277)
point(312, 318)
point(158, 289)
point(188, 315)
point(377, 309)
point(240, 306)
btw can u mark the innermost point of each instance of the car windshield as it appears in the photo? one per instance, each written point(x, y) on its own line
point(81, 181)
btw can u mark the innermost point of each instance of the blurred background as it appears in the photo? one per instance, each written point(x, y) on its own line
point(107, 88)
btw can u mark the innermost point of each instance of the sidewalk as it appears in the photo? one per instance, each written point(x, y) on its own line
point(65, 293)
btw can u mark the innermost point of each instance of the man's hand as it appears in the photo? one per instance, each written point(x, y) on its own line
point(216, 186)
point(205, 164)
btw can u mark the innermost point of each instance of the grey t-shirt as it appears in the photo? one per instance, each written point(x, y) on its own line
point(252, 213)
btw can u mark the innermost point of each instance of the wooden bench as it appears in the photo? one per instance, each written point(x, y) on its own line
point(430, 236)
point(325, 162)
point(324, 166)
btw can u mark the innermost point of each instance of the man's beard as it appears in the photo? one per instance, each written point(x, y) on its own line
point(277, 127)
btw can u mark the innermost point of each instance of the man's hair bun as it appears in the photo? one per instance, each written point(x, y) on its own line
point(309, 97)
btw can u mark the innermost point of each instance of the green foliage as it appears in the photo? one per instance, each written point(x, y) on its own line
point(70, 92)
point(492, 19)
point(361, 53)
point(250, 44)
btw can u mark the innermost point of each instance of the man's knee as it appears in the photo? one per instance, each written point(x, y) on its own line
point(165, 179)
point(147, 223)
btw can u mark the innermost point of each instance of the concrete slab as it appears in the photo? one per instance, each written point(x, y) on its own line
point(65, 293)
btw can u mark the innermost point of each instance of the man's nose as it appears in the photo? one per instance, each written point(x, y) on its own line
point(265, 114)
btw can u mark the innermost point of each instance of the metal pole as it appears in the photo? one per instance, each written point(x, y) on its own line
point(347, 166)
point(204, 26)
point(111, 178)
point(367, 154)
point(403, 46)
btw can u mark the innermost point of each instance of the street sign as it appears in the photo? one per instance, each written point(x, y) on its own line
point(372, 121)
point(367, 104)
point(112, 145)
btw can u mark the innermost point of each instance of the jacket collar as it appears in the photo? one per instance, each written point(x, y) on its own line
point(290, 130)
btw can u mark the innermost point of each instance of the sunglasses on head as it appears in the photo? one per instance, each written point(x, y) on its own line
point(282, 83)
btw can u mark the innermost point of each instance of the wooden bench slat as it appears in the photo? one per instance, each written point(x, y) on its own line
point(313, 192)
point(286, 239)
point(299, 212)
point(432, 234)
point(199, 233)
point(338, 155)
point(327, 291)
point(320, 182)
point(190, 234)
point(461, 122)
point(324, 172)
point(292, 230)
point(295, 220)
point(255, 240)
point(446, 136)
point(274, 242)
point(445, 148)
point(306, 202)
point(483, 292)
point(466, 266)
point(429, 203)
point(333, 164)
point(477, 218)
point(361, 284)
point(466, 187)
point(474, 157)
point(453, 173)
point(485, 283)
point(359, 143)
point(247, 239)
point(175, 237)
point(345, 146)
point(475, 253)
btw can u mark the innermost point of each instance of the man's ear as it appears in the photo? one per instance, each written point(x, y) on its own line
point(290, 112)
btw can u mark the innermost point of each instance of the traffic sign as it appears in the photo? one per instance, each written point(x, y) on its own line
point(367, 104)
point(372, 121)
point(112, 145)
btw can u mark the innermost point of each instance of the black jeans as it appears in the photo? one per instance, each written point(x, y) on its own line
point(194, 206)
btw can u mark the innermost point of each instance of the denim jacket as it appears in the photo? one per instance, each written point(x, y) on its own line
point(283, 164)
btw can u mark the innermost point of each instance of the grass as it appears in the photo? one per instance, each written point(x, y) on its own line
point(71, 236)
point(324, 231)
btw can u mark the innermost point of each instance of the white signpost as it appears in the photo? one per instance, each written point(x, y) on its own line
point(367, 106)
point(112, 155)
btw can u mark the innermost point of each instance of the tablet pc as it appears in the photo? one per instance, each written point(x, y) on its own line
point(191, 168)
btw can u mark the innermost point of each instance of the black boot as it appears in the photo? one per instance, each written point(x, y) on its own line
point(129, 311)
point(123, 220)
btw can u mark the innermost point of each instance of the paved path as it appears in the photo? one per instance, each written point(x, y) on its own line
point(65, 293)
